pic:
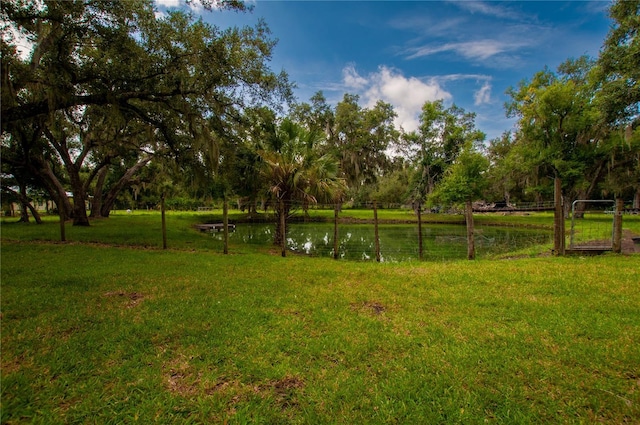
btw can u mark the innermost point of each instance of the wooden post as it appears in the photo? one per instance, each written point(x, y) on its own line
point(617, 226)
point(468, 217)
point(164, 223)
point(336, 208)
point(420, 231)
point(225, 224)
point(283, 230)
point(558, 219)
point(377, 236)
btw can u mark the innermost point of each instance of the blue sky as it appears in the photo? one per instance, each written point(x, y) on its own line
point(406, 53)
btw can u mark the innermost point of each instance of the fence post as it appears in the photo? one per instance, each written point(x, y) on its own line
point(375, 223)
point(283, 230)
point(468, 218)
point(336, 208)
point(225, 224)
point(617, 226)
point(558, 218)
point(164, 221)
point(420, 231)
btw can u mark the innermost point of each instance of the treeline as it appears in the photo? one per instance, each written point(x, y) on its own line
point(118, 105)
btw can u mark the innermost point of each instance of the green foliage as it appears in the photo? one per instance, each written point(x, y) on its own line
point(464, 181)
point(435, 146)
point(110, 85)
point(294, 167)
point(392, 188)
point(183, 204)
point(623, 168)
point(618, 70)
point(118, 104)
point(358, 137)
point(560, 130)
point(296, 172)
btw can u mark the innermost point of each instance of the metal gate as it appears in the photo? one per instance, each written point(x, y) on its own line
point(592, 225)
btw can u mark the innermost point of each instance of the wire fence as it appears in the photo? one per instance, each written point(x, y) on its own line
point(390, 232)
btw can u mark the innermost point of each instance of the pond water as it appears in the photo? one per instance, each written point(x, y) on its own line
point(398, 242)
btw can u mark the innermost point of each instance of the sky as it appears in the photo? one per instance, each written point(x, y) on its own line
point(467, 53)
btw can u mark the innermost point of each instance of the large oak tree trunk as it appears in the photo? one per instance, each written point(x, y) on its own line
point(54, 187)
point(27, 205)
point(24, 213)
point(110, 199)
point(96, 204)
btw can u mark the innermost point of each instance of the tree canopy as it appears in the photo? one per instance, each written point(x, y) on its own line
point(99, 96)
point(109, 80)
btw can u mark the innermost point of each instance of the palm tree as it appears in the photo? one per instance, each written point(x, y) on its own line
point(296, 173)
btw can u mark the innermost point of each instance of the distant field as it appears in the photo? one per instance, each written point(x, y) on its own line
point(97, 333)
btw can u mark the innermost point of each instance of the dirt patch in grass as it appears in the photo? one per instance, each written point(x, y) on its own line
point(222, 385)
point(284, 390)
point(284, 385)
point(183, 379)
point(181, 383)
point(180, 377)
point(370, 306)
point(133, 298)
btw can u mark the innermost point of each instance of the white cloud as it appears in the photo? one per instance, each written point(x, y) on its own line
point(168, 3)
point(456, 77)
point(476, 50)
point(424, 24)
point(406, 94)
point(483, 95)
point(351, 78)
point(196, 6)
point(497, 10)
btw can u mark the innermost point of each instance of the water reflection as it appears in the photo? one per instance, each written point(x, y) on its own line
point(398, 242)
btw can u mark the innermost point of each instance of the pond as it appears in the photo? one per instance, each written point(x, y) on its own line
point(398, 242)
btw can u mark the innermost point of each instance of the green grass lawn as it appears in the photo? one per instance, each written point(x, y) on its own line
point(96, 333)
